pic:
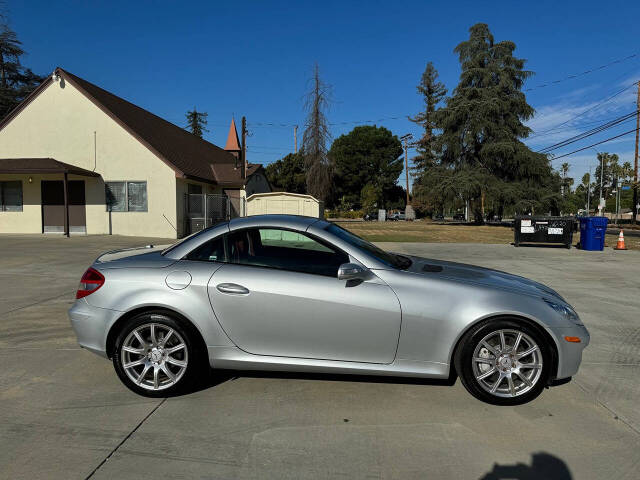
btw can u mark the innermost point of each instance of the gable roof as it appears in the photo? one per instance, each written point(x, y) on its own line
point(188, 155)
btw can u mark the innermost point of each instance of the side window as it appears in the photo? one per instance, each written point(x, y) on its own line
point(11, 196)
point(116, 193)
point(126, 196)
point(211, 251)
point(284, 250)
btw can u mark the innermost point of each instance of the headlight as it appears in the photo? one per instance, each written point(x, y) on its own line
point(565, 310)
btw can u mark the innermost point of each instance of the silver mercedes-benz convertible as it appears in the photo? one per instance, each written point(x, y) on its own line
point(291, 293)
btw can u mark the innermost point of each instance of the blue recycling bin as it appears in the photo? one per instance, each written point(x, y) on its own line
point(592, 232)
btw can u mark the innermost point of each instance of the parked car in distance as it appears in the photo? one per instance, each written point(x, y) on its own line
point(458, 216)
point(400, 215)
point(292, 293)
point(370, 217)
point(438, 217)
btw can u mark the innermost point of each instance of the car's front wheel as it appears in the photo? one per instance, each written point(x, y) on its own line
point(504, 362)
point(156, 356)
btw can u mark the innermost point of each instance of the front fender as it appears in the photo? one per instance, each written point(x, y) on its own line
point(436, 312)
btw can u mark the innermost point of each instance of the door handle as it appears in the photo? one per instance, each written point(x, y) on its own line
point(232, 288)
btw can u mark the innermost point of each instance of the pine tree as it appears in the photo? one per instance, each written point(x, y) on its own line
point(482, 127)
point(16, 81)
point(196, 122)
point(315, 138)
point(432, 92)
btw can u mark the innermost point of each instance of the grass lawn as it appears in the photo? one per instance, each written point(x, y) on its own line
point(421, 231)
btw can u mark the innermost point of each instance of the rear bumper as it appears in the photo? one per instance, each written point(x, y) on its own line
point(570, 353)
point(91, 325)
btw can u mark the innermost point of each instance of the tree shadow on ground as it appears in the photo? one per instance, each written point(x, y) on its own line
point(544, 466)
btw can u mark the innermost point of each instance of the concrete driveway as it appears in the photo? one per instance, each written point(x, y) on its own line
point(65, 415)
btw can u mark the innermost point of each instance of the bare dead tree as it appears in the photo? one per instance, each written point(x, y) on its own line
point(316, 137)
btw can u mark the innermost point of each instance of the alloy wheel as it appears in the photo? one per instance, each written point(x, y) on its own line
point(507, 363)
point(154, 356)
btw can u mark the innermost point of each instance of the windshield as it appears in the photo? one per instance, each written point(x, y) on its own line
point(391, 259)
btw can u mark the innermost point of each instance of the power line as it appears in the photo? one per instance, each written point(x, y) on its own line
point(351, 122)
point(590, 108)
point(594, 144)
point(586, 72)
point(588, 133)
point(568, 128)
point(467, 104)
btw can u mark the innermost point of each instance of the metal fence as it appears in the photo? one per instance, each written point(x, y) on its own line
point(206, 209)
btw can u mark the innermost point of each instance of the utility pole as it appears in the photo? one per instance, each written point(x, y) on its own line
point(601, 201)
point(406, 139)
point(243, 146)
point(295, 139)
point(634, 208)
point(589, 193)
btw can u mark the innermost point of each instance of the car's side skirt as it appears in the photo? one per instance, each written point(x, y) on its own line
point(233, 358)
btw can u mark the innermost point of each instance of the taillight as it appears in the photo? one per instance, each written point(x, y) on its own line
point(91, 281)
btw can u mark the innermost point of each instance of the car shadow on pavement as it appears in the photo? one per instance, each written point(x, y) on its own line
point(543, 466)
point(217, 377)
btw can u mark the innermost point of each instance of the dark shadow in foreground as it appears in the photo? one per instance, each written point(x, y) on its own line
point(217, 377)
point(543, 467)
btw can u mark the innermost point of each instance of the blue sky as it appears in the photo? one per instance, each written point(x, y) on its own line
point(254, 58)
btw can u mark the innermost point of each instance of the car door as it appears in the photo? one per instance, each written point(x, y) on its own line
point(278, 294)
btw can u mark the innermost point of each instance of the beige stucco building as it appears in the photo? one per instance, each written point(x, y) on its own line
point(76, 158)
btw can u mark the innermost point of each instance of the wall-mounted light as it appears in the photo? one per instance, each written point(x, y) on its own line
point(30, 179)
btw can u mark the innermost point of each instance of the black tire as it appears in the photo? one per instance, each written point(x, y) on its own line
point(463, 361)
point(196, 359)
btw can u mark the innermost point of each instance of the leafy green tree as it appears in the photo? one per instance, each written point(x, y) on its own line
point(566, 180)
point(287, 174)
point(370, 197)
point(197, 122)
point(16, 81)
point(366, 155)
point(482, 127)
point(606, 170)
point(627, 172)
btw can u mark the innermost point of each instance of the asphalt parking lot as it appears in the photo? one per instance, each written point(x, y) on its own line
point(64, 413)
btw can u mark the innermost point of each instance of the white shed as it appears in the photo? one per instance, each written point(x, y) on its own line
point(284, 203)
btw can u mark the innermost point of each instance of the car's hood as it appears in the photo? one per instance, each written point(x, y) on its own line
point(479, 275)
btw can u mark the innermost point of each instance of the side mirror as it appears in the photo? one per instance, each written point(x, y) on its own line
point(351, 271)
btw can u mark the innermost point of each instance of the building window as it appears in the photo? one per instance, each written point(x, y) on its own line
point(193, 189)
point(126, 196)
point(11, 196)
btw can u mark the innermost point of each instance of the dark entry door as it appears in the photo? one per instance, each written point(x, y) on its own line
point(53, 206)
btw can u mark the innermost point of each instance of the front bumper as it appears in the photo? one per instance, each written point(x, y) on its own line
point(91, 325)
point(570, 353)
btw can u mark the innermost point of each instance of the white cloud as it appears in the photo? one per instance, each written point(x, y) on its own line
point(568, 117)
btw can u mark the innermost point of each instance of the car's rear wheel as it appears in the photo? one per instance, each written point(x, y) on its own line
point(156, 356)
point(504, 362)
